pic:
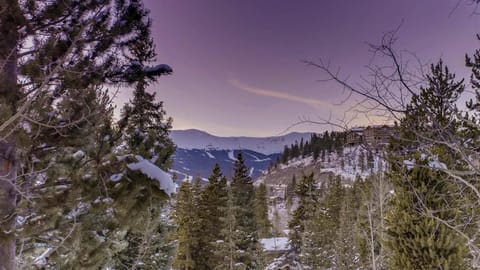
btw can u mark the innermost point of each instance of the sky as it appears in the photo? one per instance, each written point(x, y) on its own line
point(238, 67)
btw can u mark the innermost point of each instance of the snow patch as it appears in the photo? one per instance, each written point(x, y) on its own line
point(78, 155)
point(256, 159)
point(435, 164)
point(275, 244)
point(231, 156)
point(155, 173)
point(210, 155)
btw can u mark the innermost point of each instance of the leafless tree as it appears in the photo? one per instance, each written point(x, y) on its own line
point(394, 79)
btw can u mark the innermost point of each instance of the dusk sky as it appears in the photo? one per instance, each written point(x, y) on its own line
point(237, 64)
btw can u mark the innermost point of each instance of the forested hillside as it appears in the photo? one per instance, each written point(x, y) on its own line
point(389, 180)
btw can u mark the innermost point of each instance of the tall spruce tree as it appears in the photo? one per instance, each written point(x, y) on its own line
point(243, 193)
point(188, 227)
point(308, 198)
point(212, 210)
point(144, 128)
point(326, 222)
point(226, 250)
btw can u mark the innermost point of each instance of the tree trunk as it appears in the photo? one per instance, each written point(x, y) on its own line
point(10, 19)
point(7, 206)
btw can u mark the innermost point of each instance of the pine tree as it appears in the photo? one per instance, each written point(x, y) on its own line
point(261, 212)
point(213, 207)
point(285, 154)
point(308, 197)
point(188, 227)
point(145, 129)
point(423, 194)
point(309, 247)
point(243, 199)
point(418, 241)
point(57, 55)
point(227, 248)
point(326, 222)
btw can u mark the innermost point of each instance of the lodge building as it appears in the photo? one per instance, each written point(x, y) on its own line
point(375, 135)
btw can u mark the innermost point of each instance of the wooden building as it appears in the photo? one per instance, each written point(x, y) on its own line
point(377, 135)
point(354, 136)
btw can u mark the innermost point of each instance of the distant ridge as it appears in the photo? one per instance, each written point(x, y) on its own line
point(197, 139)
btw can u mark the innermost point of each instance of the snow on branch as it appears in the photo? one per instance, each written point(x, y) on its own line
point(155, 173)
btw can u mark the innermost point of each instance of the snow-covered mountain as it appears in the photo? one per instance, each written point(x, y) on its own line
point(198, 162)
point(197, 139)
point(197, 152)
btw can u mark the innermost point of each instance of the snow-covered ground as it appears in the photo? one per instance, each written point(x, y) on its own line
point(275, 244)
point(348, 165)
point(279, 215)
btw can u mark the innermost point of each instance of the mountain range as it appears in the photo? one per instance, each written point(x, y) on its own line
point(198, 151)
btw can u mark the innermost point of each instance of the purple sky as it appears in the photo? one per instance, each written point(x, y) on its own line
point(237, 68)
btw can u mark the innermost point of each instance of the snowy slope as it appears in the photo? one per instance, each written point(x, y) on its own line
point(196, 139)
point(196, 162)
point(347, 165)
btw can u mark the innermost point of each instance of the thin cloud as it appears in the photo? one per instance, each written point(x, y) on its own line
point(279, 95)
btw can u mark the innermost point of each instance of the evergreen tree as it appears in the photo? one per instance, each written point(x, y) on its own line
point(423, 194)
point(418, 241)
point(56, 57)
point(188, 227)
point(243, 194)
point(261, 212)
point(230, 256)
point(326, 222)
point(308, 197)
point(146, 128)
point(285, 155)
point(213, 207)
